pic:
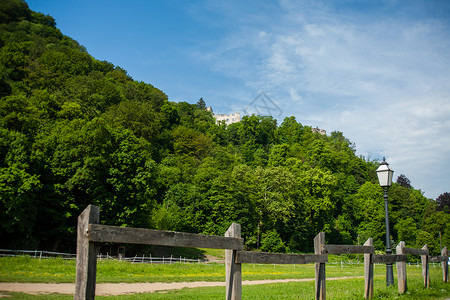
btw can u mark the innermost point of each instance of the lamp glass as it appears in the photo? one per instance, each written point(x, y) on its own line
point(385, 175)
point(390, 176)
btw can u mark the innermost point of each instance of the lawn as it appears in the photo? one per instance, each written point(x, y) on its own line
point(26, 269)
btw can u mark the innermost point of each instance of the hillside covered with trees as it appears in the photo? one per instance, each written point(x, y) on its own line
point(76, 131)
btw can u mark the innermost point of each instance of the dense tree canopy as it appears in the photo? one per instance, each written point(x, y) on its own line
point(76, 131)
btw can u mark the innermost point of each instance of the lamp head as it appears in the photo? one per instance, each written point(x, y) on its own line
point(385, 174)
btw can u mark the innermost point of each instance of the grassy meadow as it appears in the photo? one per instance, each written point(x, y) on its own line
point(26, 269)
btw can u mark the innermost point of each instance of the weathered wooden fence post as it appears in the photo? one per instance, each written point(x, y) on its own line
point(425, 268)
point(368, 271)
point(401, 269)
point(86, 255)
point(444, 263)
point(319, 240)
point(232, 269)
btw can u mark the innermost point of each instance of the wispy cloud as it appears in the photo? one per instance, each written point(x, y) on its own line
point(379, 73)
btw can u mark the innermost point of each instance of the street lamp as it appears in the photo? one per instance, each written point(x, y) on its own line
point(385, 174)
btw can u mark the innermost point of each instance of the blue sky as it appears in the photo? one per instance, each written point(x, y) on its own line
point(379, 71)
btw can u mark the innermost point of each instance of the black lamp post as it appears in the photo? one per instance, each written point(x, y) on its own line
point(385, 174)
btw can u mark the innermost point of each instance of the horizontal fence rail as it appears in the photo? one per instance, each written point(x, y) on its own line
point(278, 258)
point(115, 234)
point(413, 251)
point(389, 259)
point(439, 258)
point(347, 249)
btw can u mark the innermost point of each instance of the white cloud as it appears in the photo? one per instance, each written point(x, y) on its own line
point(382, 79)
point(295, 97)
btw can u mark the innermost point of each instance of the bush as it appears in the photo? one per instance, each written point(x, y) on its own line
point(272, 242)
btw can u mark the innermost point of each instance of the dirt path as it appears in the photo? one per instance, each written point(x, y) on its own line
point(108, 289)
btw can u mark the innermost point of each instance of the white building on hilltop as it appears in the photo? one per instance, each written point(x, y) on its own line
point(319, 131)
point(229, 119)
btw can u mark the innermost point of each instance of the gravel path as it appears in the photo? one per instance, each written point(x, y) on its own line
point(107, 289)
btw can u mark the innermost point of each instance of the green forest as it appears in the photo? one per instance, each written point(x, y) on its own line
point(76, 131)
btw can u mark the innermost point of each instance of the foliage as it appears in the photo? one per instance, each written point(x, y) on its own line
point(403, 181)
point(76, 131)
point(272, 242)
point(443, 202)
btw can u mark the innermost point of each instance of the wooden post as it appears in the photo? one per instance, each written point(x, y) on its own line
point(425, 268)
point(401, 269)
point(232, 269)
point(444, 263)
point(86, 255)
point(368, 271)
point(319, 240)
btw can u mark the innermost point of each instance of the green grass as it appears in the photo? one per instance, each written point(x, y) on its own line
point(342, 290)
point(25, 269)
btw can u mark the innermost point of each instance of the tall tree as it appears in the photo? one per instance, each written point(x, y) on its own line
point(370, 209)
point(443, 202)
point(201, 104)
point(404, 181)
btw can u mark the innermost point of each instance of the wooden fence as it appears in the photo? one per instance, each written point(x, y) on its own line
point(90, 233)
point(425, 258)
point(370, 258)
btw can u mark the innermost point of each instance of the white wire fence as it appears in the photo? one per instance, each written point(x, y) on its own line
point(37, 254)
point(149, 259)
point(136, 259)
point(166, 260)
